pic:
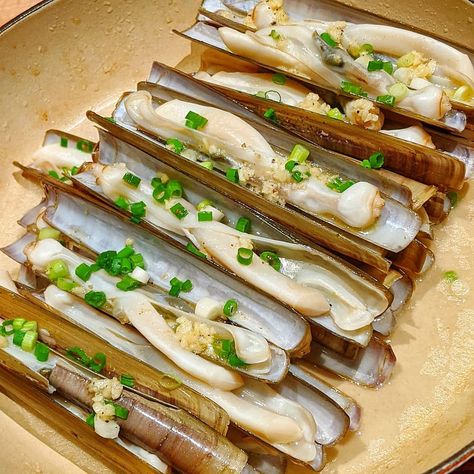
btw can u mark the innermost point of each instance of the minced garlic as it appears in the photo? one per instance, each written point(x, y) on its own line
point(364, 113)
point(336, 29)
point(105, 389)
point(194, 336)
point(314, 103)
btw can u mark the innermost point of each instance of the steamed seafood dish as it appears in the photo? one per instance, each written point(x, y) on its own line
point(233, 235)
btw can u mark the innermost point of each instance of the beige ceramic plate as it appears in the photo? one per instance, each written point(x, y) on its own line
point(69, 56)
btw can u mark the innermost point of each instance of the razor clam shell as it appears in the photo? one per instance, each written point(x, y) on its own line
point(29, 219)
point(302, 371)
point(15, 250)
point(87, 327)
point(293, 260)
point(332, 422)
point(372, 366)
point(310, 229)
point(208, 35)
point(259, 314)
point(164, 431)
point(345, 347)
point(395, 219)
point(124, 339)
point(20, 383)
point(416, 259)
point(183, 83)
point(438, 208)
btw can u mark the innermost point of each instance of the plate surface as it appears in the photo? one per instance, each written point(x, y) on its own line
point(75, 55)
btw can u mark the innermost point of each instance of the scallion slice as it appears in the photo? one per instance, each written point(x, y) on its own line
point(127, 251)
point(230, 308)
point(193, 249)
point(127, 380)
point(275, 35)
point(97, 363)
point(174, 189)
point(96, 299)
point(187, 286)
point(297, 176)
point(18, 338)
point(131, 179)
point(41, 352)
point(120, 411)
point(179, 211)
point(232, 174)
point(450, 276)
point(48, 233)
point(244, 256)
point(159, 193)
point(18, 323)
point(272, 259)
point(375, 161)
point(77, 354)
point(386, 99)
point(30, 326)
point(336, 114)
point(127, 283)
point(204, 216)
point(326, 37)
point(122, 203)
point(398, 90)
point(289, 165)
point(65, 284)
point(64, 142)
point(353, 89)
point(339, 185)
point(299, 153)
point(279, 79)
point(270, 114)
point(243, 225)
point(209, 165)
point(137, 260)
point(90, 420)
point(203, 204)
point(8, 324)
point(366, 48)
point(195, 121)
point(29, 341)
point(57, 269)
point(175, 144)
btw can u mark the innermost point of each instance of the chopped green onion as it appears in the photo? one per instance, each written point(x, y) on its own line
point(127, 251)
point(127, 283)
point(232, 174)
point(127, 380)
point(90, 419)
point(339, 185)
point(96, 299)
point(131, 179)
point(450, 276)
point(125, 266)
point(174, 189)
point(195, 121)
point(156, 182)
point(105, 259)
point(406, 60)
point(272, 259)
point(326, 37)
point(275, 35)
point(122, 203)
point(138, 209)
point(225, 349)
point(5, 325)
point(386, 99)
point(74, 170)
point(85, 145)
point(230, 308)
point(335, 113)
point(57, 269)
point(270, 114)
point(266, 95)
point(29, 341)
point(204, 216)
point(30, 326)
point(175, 144)
point(193, 249)
point(243, 225)
point(110, 119)
point(453, 198)
point(77, 354)
point(366, 48)
point(353, 89)
point(18, 338)
point(187, 286)
point(159, 193)
point(299, 153)
point(48, 233)
point(209, 165)
point(297, 176)
point(175, 290)
point(64, 142)
point(289, 165)
point(41, 352)
point(169, 382)
point(376, 161)
point(387, 66)
point(55, 175)
point(398, 90)
point(18, 323)
point(65, 284)
point(120, 411)
point(179, 211)
point(261, 94)
point(244, 256)
point(97, 363)
point(137, 260)
point(279, 78)
point(203, 204)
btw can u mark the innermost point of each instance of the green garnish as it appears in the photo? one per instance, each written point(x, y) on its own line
point(279, 78)
point(326, 37)
point(177, 286)
point(398, 90)
point(204, 216)
point(127, 380)
point(64, 142)
point(97, 363)
point(232, 174)
point(176, 145)
point(127, 283)
point(376, 161)
point(244, 256)
point(335, 113)
point(289, 165)
point(387, 66)
point(453, 198)
point(450, 276)
point(48, 233)
point(351, 88)
point(90, 419)
point(275, 35)
point(131, 179)
point(386, 99)
point(57, 269)
point(85, 145)
point(270, 114)
point(243, 225)
point(209, 165)
point(299, 153)
point(29, 340)
point(138, 210)
point(41, 352)
point(339, 185)
point(83, 271)
point(297, 176)
point(179, 211)
point(122, 203)
point(230, 308)
point(65, 284)
point(195, 121)
point(272, 259)
point(96, 299)
point(225, 349)
point(193, 249)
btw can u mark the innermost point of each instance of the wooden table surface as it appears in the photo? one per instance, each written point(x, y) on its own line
point(10, 8)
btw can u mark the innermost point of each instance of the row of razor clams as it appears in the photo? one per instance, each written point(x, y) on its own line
point(289, 277)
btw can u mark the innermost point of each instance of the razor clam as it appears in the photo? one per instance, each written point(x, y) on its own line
point(438, 208)
point(406, 151)
point(436, 62)
point(305, 372)
point(152, 313)
point(157, 428)
point(297, 262)
point(273, 424)
point(372, 365)
point(149, 422)
point(250, 46)
point(258, 158)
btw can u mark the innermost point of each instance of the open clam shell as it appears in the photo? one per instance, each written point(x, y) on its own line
point(208, 35)
point(393, 216)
